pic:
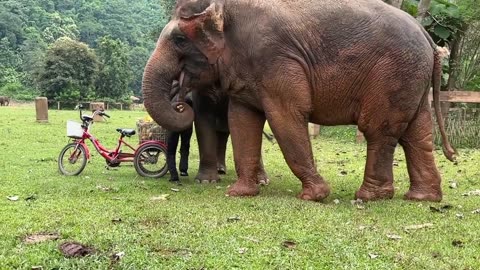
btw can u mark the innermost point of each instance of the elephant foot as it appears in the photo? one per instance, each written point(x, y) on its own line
point(431, 196)
point(206, 181)
point(315, 192)
point(243, 189)
point(206, 178)
point(262, 179)
point(375, 193)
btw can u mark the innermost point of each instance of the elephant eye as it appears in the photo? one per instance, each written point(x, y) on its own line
point(179, 40)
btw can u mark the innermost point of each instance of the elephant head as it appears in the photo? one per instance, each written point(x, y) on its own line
point(188, 48)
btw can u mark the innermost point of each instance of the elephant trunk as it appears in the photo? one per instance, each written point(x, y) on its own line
point(161, 69)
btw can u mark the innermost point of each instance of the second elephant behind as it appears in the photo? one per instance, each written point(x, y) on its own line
point(211, 129)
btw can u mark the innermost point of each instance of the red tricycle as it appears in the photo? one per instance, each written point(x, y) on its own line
point(149, 158)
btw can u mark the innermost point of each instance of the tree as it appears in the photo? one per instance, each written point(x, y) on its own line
point(114, 74)
point(69, 70)
point(423, 7)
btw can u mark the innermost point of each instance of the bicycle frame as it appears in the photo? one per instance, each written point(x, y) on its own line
point(112, 156)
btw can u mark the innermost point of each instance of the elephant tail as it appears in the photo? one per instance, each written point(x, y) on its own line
point(448, 150)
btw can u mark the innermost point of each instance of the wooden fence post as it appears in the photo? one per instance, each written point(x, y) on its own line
point(41, 108)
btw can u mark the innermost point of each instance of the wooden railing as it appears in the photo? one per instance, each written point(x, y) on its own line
point(445, 96)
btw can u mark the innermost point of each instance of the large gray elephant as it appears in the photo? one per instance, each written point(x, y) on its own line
point(4, 101)
point(331, 62)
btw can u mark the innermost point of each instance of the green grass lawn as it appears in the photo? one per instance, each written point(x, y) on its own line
point(200, 228)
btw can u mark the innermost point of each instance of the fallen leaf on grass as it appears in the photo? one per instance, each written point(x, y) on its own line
point(459, 215)
point(12, 198)
point(242, 250)
point(106, 189)
point(373, 255)
point(394, 237)
point(116, 220)
point(175, 189)
point(74, 249)
point(453, 185)
point(472, 193)
point(162, 197)
point(40, 237)
point(251, 239)
point(457, 243)
point(358, 203)
point(441, 209)
point(417, 227)
point(32, 197)
point(476, 211)
point(336, 201)
point(37, 267)
point(289, 244)
point(233, 218)
point(117, 257)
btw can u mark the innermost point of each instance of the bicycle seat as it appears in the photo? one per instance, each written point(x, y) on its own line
point(87, 118)
point(126, 131)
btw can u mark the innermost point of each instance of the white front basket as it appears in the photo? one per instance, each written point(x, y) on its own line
point(74, 129)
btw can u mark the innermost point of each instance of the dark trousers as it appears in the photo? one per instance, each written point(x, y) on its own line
point(172, 143)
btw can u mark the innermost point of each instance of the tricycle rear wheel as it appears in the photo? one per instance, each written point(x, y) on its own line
point(151, 160)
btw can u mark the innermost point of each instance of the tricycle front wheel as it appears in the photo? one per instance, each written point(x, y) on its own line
point(151, 160)
point(72, 159)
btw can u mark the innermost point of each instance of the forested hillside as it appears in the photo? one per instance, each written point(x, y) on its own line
point(97, 49)
point(37, 36)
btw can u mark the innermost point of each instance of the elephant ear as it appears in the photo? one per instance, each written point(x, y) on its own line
point(204, 28)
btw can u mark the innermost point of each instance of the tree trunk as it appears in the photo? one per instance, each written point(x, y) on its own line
point(395, 3)
point(423, 7)
point(453, 66)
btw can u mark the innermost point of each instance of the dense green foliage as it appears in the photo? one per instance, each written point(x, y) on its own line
point(28, 28)
point(69, 70)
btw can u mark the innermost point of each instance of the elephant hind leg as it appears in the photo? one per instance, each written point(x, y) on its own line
point(417, 142)
point(378, 177)
point(382, 137)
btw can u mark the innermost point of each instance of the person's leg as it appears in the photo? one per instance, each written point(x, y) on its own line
point(184, 151)
point(172, 142)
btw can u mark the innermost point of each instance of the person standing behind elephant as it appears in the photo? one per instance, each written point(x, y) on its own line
point(172, 142)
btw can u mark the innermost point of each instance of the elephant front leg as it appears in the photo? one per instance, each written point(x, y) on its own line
point(291, 132)
point(246, 127)
point(207, 146)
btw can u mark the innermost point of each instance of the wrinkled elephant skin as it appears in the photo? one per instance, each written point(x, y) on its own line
point(332, 62)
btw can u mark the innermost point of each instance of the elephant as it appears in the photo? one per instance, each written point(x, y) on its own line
point(211, 129)
point(4, 101)
point(331, 62)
